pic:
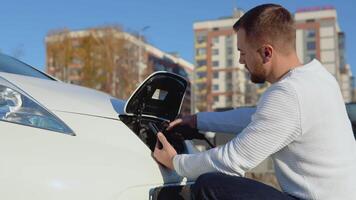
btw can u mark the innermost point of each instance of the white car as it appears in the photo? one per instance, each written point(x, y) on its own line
point(60, 141)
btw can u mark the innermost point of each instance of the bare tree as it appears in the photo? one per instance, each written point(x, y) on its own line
point(104, 56)
point(59, 49)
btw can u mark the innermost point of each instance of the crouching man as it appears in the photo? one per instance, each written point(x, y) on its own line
point(300, 121)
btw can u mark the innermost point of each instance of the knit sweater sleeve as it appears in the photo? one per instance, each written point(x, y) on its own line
point(232, 121)
point(275, 124)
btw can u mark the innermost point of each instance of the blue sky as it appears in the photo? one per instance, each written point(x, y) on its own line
point(24, 24)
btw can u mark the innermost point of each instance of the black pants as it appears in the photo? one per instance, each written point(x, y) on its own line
point(222, 187)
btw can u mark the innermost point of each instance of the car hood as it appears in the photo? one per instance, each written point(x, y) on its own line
point(60, 96)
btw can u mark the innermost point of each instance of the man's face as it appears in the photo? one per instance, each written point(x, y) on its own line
point(250, 57)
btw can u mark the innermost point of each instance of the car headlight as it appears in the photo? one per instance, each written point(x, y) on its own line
point(18, 107)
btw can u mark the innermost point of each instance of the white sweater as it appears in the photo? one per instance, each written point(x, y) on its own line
point(300, 121)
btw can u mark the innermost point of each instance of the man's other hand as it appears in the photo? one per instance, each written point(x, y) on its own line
point(189, 120)
point(166, 154)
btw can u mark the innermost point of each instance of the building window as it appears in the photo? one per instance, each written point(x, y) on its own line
point(215, 87)
point(229, 51)
point(312, 56)
point(215, 63)
point(229, 75)
point(311, 45)
point(215, 51)
point(228, 99)
point(215, 40)
point(201, 63)
point(229, 87)
point(310, 33)
point(201, 51)
point(228, 38)
point(229, 63)
point(201, 39)
point(159, 67)
point(216, 99)
point(201, 74)
point(201, 86)
point(215, 74)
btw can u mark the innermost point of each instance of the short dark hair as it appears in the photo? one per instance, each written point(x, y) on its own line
point(270, 23)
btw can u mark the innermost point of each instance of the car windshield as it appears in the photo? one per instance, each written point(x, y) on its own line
point(14, 66)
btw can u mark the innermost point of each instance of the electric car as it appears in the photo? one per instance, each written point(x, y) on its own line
point(62, 141)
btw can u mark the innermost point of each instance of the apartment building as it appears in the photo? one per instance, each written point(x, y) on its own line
point(110, 60)
point(220, 80)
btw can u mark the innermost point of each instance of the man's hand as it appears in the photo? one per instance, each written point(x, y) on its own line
point(189, 120)
point(166, 154)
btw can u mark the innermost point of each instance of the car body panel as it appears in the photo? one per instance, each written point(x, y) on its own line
point(63, 166)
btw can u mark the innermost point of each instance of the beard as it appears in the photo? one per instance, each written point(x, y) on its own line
point(255, 78)
point(258, 75)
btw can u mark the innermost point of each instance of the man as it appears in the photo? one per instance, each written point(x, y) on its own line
point(300, 121)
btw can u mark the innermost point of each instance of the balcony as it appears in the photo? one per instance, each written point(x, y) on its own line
point(201, 92)
point(200, 80)
point(200, 45)
point(200, 57)
point(201, 69)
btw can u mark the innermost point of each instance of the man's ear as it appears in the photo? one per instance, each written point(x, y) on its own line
point(267, 53)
